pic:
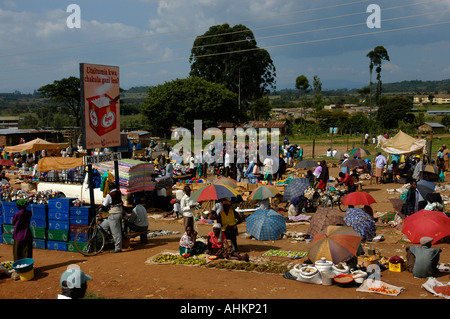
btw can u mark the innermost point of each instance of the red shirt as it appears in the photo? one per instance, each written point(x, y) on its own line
point(214, 241)
point(348, 180)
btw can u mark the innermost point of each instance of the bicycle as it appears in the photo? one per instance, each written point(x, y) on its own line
point(90, 240)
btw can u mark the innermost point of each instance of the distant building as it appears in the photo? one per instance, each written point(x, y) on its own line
point(428, 127)
point(9, 122)
point(11, 137)
point(438, 99)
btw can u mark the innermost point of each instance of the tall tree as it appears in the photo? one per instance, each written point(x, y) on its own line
point(302, 84)
point(376, 57)
point(395, 109)
point(317, 88)
point(181, 101)
point(66, 94)
point(230, 56)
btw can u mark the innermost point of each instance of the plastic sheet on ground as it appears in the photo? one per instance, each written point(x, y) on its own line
point(371, 283)
point(431, 283)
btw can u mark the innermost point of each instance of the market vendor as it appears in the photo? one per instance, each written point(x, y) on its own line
point(229, 219)
point(189, 244)
point(423, 260)
point(187, 207)
point(137, 220)
point(114, 205)
point(346, 179)
point(22, 236)
point(217, 245)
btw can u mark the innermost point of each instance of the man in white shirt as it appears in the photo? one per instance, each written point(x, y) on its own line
point(227, 164)
point(268, 163)
point(187, 208)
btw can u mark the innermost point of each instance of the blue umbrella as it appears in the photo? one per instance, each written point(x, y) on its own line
point(265, 224)
point(361, 223)
point(427, 184)
point(296, 188)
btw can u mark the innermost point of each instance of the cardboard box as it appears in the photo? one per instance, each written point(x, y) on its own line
point(102, 119)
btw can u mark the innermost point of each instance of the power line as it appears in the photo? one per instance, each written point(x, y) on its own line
point(191, 29)
point(235, 32)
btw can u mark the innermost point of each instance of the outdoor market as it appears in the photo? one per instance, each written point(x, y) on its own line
point(307, 237)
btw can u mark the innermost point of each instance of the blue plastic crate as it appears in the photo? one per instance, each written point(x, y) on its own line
point(56, 215)
point(39, 244)
point(9, 207)
point(56, 245)
point(7, 218)
point(82, 212)
point(58, 225)
point(40, 223)
point(39, 211)
point(61, 204)
point(79, 221)
point(80, 238)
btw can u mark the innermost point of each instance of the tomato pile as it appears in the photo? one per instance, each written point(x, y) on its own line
point(384, 290)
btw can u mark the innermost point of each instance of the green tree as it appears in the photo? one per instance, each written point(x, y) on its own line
point(181, 101)
point(302, 84)
point(446, 120)
point(230, 56)
point(396, 109)
point(317, 89)
point(260, 109)
point(376, 57)
point(65, 93)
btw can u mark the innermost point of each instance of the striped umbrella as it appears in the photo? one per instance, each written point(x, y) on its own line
point(296, 188)
point(213, 192)
point(360, 152)
point(226, 181)
point(324, 217)
point(337, 243)
point(265, 224)
point(263, 192)
point(353, 162)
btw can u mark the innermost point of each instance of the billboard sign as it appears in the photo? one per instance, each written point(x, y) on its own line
point(100, 96)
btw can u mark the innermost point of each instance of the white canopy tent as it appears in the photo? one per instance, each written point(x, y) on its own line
point(402, 143)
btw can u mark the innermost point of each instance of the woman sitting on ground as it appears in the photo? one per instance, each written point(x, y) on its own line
point(189, 244)
point(217, 245)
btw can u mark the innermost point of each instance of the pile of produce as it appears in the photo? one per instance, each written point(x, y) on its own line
point(269, 267)
point(384, 290)
point(284, 253)
point(176, 259)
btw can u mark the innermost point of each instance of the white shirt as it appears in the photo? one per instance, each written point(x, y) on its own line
point(227, 160)
point(185, 204)
point(218, 207)
point(191, 162)
point(268, 162)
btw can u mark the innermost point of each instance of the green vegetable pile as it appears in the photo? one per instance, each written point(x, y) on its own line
point(284, 253)
point(176, 259)
point(7, 265)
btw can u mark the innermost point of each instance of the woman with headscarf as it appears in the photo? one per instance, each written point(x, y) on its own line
point(217, 245)
point(23, 238)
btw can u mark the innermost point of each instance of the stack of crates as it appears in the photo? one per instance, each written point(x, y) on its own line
point(8, 211)
point(79, 217)
point(58, 223)
point(39, 224)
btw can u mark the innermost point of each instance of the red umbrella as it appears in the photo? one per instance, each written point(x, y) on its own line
point(426, 223)
point(6, 162)
point(358, 198)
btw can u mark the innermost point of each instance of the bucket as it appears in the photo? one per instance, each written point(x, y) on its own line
point(327, 278)
point(23, 265)
point(324, 265)
point(25, 276)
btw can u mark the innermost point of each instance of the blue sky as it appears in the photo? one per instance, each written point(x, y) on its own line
point(150, 40)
